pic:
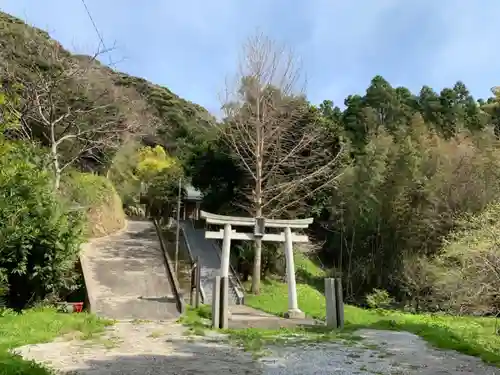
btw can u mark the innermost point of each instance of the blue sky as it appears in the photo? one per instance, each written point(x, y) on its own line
point(191, 46)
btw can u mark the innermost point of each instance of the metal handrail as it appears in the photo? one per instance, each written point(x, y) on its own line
point(192, 261)
point(170, 270)
point(240, 284)
point(239, 293)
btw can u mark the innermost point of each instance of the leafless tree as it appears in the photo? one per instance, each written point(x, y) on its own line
point(66, 106)
point(275, 137)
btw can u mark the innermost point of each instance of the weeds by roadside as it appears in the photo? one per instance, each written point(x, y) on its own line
point(38, 326)
point(469, 335)
point(254, 340)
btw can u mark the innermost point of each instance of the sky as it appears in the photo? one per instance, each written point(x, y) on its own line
point(192, 46)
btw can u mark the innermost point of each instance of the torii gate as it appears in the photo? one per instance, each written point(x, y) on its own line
point(259, 225)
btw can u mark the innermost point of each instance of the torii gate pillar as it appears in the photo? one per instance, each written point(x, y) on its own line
point(287, 236)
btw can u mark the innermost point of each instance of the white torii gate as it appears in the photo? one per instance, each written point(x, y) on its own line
point(259, 225)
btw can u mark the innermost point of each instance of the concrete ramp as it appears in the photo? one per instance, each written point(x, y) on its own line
point(126, 276)
point(209, 253)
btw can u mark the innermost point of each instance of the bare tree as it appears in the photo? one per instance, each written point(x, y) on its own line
point(275, 136)
point(66, 107)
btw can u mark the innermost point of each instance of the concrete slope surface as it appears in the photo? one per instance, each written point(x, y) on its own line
point(210, 260)
point(126, 275)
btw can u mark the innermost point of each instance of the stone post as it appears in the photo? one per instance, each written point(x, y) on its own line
point(216, 303)
point(331, 303)
point(224, 305)
point(293, 309)
point(226, 250)
point(224, 277)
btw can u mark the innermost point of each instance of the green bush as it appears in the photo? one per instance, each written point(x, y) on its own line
point(39, 236)
point(96, 196)
point(466, 273)
point(379, 299)
point(162, 191)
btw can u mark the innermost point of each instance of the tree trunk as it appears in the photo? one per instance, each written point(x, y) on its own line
point(259, 146)
point(256, 267)
point(57, 168)
point(57, 181)
point(257, 261)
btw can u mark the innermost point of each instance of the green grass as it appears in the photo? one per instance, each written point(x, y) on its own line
point(38, 326)
point(468, 335)
point(305, 266)
point(255, 339)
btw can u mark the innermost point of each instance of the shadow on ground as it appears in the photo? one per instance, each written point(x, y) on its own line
point(147, 233)
point(162, 357)
point(164, 299)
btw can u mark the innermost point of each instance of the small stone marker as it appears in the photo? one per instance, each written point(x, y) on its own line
point(331, 303)
point(334, 303)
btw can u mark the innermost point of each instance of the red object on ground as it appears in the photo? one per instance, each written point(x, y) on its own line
point(77, 307)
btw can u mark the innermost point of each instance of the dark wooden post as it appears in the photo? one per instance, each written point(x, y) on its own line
point(197, 283)
point(193, 284)
point(339, 300)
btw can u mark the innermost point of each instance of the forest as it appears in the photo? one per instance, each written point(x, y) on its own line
point(403, 186)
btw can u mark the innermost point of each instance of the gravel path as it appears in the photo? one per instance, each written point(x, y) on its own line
point(143, 349)
point(381, 352)
point(162, 348)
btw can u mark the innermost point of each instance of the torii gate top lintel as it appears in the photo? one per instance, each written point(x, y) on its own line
point(250, 221)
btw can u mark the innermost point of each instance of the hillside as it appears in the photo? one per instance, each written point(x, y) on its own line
point(164, 117)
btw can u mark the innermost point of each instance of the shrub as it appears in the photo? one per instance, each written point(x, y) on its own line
point(121, 174)
point(162, 191)
point(379, 299)
point(468, 269)
point(145, 175)
point(418, 278)
point(98, 199)
point(3, 294)
point(135, 211)
point(39, 237)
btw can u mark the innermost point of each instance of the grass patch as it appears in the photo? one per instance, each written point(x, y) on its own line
point(140, 321)
point(468, 335)
point(155, 334)
point(255, 339)
point(304, 265)
point(197, 319)
point(38, 326)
